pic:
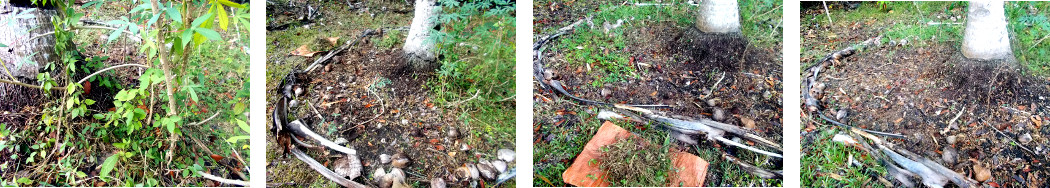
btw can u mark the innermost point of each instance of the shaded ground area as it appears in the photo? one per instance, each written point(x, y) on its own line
point(369, 97)
point(35, 153)
point(659, 58)
point(916, 83)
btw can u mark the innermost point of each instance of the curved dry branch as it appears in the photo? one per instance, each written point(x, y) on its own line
point(325, 171)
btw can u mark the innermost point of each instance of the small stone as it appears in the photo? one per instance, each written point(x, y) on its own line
point(298, 91)
point(949, 155)
point(464, 147)
point(712, 102)
point(341, 141)
point(378, 174)
point(718, 114)
point(893, 43)
point(293, 103)
point(384, 158)
point(404, 122)
point(548, 74)
point(486, 170)
point(606, 92)
point(841, 114)
point(1025, 138)
point(500, 166)
point(474, 173)
point(437, 183)
point(904, 42)
point(506, 155)
point(952, 139)
point(400, 160)
point(453, 132)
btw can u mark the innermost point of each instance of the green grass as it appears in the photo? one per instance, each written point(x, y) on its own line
point(761, 22)
point(827, 157)
point(1028, 31)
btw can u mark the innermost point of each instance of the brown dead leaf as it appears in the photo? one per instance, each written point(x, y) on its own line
point(1038, 121)
point(333, 40)
point(747, 123)
point(304, 51)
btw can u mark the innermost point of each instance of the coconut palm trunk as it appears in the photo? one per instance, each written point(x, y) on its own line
point(418, 51)
point(719, 16)
point(986, 37)
point(23, 58)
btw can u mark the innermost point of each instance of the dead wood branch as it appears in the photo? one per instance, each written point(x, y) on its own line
point(537, 58)
point(332, 53)
point(299, 129)
point(325, 171)
point(712, 128)
point(813, 79)
point(558, 87)
point(16, 82)
point(761, 173)
point(222, 180)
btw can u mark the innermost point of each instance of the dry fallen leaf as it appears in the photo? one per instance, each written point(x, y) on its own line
point(981, 173)
point(333, 40)
point(303, 51)
point(747, 123)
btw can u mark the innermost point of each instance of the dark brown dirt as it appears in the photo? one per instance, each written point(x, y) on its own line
point(671, 73)
point(916, 91)
point(401, 119)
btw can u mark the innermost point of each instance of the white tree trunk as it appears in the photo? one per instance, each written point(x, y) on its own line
point(417, 50)
point(986, 37)
point(719, 16)
point(16, 37)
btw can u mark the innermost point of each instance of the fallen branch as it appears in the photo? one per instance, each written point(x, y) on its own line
point(296, 127)
point(754, 170)
point(325, 171)
point(15, 82)
point(537, 58)
point(222, 180)
point(558, 87)
point(332, 53)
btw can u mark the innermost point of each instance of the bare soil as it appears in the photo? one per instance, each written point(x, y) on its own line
point(676, 66)
point(917, 90)
point(371, 97)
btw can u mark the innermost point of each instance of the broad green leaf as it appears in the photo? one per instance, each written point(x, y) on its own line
point(230, 4)
point(193, 93)
point(116, 33)
point(173, 14)
point(89, 102)
point(224, 19)
point(200, 20)
point(236, 138)
point(187, 35)
point(238, 108)
point(108, 167)
point(243, 125)
point(170, 125)
point(210, 34)
point(2, 45)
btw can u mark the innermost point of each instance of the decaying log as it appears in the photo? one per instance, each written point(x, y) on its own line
point(325, 171)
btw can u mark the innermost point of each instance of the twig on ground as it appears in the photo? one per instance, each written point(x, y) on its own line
point(332, 53)
point(465, 100)
point(222, 180)
point(827, 12)
point(327, 173)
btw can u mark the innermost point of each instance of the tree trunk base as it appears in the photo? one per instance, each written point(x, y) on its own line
point(723, 51)
point(986, 80)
